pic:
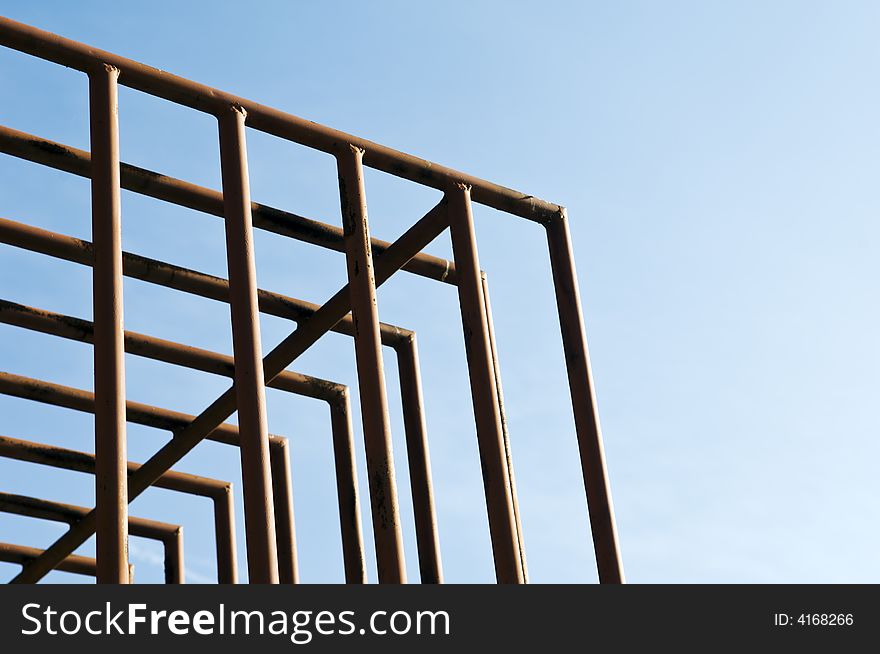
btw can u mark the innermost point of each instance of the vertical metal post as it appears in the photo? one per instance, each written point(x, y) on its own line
point(224, 534)
point(507, 455)
point(249, 383)
point(371, 374)
point(285, 530)
point(583, 399)
point(490, 435)
point(174, 566)
point(111, 472)
point(427, 537)
point(347, 496)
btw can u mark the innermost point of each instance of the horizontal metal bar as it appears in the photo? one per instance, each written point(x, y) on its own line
point(80, 565)
point(159, 349)
point(70, 513)
point(59, 457)
point(77, 399)
point(66, 52)
point(176, 277)
point(184, 194)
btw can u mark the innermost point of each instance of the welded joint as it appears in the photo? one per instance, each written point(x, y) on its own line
point(175, 535)
point(561, 215)
point(224, 492)
point(104, 67)
point(277, 444)
point(402, 342)
point(338, 397)
point(461, 186)
point(234, 108)
point(356, 149)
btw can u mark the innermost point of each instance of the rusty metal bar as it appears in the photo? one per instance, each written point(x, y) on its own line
point(175, 570)
point(66, 52)
point(111, 479)
point(250, 394)
point(80, 565)
point(178, 278)
point(81, 330)
point(422, 488)
point(39, 390)
point(285, 531)
point(347, 495)
point(490, 435)
point(159, 349)
point(152, 184)
point(77, 399)
point(370, 369)
point(219, 492)
point(224, 530)
point(496, 366)
point(583, 399)
point(171, 536)
point(307, 333)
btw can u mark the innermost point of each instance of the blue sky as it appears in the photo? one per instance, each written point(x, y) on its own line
point(719, 163)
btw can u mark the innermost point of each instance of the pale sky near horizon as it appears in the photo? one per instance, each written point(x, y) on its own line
point(719, 162)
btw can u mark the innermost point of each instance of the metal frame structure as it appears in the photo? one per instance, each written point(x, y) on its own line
point(171, 536)
point(219, 492)
point(73, 563)
point(353, 310)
